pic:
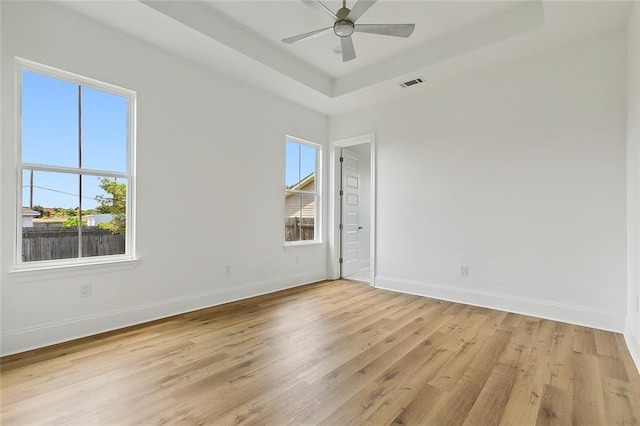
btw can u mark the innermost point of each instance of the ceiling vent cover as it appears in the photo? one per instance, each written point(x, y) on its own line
point(412, 82)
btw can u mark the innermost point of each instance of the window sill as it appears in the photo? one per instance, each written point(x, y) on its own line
point(37, 273)
point(300, 244)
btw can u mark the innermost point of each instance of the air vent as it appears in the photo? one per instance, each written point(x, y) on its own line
point(412, 82)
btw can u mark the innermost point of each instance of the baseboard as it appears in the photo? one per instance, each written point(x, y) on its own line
point(633, 343)
point(364, 264)
point(49, 334)
point(589, 317)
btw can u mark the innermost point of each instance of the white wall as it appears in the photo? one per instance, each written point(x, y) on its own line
point(517, 172)
point(205, 143)
point(633, 183)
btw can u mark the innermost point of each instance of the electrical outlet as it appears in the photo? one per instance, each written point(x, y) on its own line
point(464, 271)
point(227, 269)
point(85, 290)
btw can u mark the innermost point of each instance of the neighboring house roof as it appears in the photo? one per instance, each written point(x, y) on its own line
point(26, 211)
point(50, 220)
point(300, 186)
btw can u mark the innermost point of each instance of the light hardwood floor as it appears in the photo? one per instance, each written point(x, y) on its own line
point(333, 353)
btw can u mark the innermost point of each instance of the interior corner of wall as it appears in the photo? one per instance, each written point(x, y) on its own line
point(633, 344)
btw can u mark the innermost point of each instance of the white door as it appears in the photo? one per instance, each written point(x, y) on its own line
point(350, 212)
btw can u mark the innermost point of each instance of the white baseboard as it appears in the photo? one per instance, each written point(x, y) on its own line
point(36, 337)
point(633, 343)
point(589, 317)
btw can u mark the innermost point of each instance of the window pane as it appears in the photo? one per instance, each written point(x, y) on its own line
point(49, 121)
point(104, 216)
point(307, 215)
point(292, 217)
point(307, 162)
point(50, 189)
point(292, 164)
point(104, 131)
point(300, 217)
point(49, 215)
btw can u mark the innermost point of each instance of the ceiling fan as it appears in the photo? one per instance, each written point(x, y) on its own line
point(345, 25)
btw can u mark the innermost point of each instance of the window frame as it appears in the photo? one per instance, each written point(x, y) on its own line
point(130, 175)
point(317, 193)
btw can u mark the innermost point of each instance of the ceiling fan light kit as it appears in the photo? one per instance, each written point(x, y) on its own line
point(343, 28)
point(345, 25)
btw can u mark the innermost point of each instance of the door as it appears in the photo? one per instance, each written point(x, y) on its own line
point(350, 199)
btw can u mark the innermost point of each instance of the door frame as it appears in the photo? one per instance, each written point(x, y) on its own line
point(334, 203)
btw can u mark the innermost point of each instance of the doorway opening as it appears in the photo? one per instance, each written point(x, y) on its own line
point(353, 248)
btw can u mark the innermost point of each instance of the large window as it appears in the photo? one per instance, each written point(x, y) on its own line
point(76, 169)
point(301, 194)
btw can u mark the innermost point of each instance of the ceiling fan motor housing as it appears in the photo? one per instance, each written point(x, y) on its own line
point(342, 27)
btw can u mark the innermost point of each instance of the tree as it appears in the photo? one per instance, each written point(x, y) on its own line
point(38, 208)
point(72, 221)
point(113, 203)
point(64, 212)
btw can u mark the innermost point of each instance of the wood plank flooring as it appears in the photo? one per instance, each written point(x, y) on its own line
point(334, 353)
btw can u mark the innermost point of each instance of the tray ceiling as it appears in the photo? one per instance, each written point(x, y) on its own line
point(451, 39)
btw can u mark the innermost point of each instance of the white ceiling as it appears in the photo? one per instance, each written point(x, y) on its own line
point(452, 39)
point(275, 20)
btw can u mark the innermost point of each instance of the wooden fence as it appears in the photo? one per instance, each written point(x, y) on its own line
point(296, 227)
point(62, 243)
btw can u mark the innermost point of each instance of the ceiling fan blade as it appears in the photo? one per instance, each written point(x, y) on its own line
point(359, 8)
point(348, 51)
point(311, 34)
point(319, 6)
point(395, 30)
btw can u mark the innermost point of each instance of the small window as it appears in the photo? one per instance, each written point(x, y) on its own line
point(302, 189)
point(76, 168)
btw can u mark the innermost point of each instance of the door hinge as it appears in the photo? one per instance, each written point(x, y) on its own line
point(341, 159)
point(340, 227)
point(340, 260)
point(341, 192)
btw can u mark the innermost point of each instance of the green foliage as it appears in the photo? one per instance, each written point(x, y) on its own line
point(62, 212)
point(72, 221)
point(38, 208)
point(112, 227)
point(113, 203)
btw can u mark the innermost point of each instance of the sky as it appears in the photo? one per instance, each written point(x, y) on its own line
point(300, 162)
point(49, 130)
